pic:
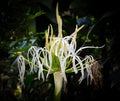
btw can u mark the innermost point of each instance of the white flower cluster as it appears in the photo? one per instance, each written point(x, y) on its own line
point(63, 48)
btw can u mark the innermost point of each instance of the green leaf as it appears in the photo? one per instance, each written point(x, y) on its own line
point(31, 17)
point(29, 78)
point(55, 63)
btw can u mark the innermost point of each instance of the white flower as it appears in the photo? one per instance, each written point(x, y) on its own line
point(58, 54)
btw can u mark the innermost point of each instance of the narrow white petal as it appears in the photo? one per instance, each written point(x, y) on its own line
point(21, 68)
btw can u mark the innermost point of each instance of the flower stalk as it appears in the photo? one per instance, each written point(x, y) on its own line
point(58, 82)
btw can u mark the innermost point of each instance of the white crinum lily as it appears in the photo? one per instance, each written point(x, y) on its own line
point(58, 54)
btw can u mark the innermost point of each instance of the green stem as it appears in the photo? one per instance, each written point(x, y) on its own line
point(58, 80)
point(26, 60)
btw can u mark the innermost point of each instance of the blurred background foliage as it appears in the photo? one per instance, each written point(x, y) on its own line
point(23, 23)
